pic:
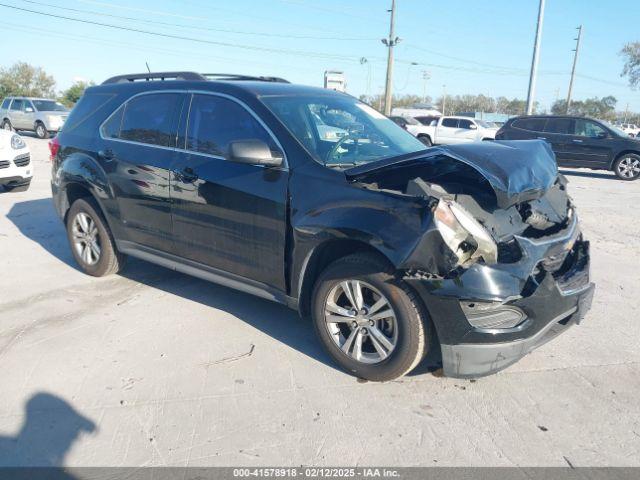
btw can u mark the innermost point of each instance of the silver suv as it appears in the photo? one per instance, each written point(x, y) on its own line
point(40, 115)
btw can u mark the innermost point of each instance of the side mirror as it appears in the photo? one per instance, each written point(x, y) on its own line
point(28, 110)
point(473, 126)
point(253, 152)
point(602, 135)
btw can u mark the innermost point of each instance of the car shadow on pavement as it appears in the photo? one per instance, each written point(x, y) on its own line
point(37, 220)
point(580, 173)
point(50, 428)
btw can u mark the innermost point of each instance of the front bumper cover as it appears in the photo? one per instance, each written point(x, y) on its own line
point(553, 299)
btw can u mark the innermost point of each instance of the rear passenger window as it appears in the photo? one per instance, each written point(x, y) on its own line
point(531, 124)
point(17, 105)
point(215, 122)
point(450, 122)
point(559, 125)
point(149, 119)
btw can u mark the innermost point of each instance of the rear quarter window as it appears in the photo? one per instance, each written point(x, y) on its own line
point(86, 108)
point(5, 103)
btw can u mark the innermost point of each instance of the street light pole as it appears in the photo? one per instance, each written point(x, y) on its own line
point(573, 70)
point(444, 99)
point(534, 61)
point(390, 42)
point(425, 77)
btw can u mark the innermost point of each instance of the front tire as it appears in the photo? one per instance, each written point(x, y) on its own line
point(369, 321)
point(41, 131)
point(627, 167)
point(17, 188)
point(91, 240)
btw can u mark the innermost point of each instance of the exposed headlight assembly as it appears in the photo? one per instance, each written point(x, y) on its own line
point(17, 142)
point(462, 233)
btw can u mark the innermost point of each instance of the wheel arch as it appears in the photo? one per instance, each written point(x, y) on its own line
point(621, 154)
point(322, 256)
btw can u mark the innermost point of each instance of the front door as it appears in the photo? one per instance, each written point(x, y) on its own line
point(226, 215)
point(467, 131)
point(137, 153)
point(590, 145)
point(446, 131)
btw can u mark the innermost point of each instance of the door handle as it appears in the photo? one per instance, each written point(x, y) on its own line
point(106, 154)
point(186, 175)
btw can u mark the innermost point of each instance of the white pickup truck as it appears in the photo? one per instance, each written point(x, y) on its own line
point(452, 130)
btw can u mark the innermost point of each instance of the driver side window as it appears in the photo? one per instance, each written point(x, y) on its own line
point(586, 128)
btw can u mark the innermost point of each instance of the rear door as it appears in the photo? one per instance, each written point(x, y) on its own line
point(446, 131)
point(227, 215)
point(16, 114)
point(138, 150)
point(590, 145)
point(558, 131)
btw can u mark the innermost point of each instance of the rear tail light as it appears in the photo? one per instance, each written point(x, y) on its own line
point(54, 147)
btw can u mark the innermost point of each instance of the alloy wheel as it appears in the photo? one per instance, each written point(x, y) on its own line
point(629, 167)
point(40, 131)
point(361, 321)
point(86, 239)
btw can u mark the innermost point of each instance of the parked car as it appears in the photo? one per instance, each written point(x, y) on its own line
point(580, 142)
point(40, 115)
point(389, 247)
point(630, 129)
point(415, 128)
point(16, 169)
point(454, 130)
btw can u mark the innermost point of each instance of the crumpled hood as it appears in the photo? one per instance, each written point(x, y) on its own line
point(517, 171)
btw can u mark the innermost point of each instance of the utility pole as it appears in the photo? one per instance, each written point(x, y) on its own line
point(390, 42)
point(534, 61)
point(425, 77)
point(573, 69)
point(444, 99)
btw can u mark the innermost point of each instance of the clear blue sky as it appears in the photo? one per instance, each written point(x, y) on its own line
point(469, 46)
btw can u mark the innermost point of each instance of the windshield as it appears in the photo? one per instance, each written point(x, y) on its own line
point(616, 130)
point(484, 124)
point(339, 131)
point(49, 106)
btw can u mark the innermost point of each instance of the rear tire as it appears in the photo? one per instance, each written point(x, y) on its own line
point(41, 131)
point(426, 140)
point(6, 125)
point(370, 345)
point(91, 240)
point(627, 167)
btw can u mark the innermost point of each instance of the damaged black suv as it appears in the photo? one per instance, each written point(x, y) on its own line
point(313, 199)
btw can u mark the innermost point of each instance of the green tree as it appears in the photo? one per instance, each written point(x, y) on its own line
point(631, 54)
point(71, 95)
point(27, 80)
point(603, 108)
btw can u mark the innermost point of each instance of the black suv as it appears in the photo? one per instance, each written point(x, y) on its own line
point(580, 142)
point(391, 249)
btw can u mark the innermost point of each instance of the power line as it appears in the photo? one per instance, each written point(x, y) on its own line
point(199, 28)
point(190, 39)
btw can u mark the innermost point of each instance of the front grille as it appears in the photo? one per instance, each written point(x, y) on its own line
point(4, 164)
point(22, 160)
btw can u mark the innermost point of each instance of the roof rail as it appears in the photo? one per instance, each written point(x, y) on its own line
point(132, 77)
point(235, 76)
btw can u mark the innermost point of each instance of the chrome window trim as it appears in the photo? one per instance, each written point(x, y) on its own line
point(191, 93)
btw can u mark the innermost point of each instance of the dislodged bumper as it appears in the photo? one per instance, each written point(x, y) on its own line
point(489, 317)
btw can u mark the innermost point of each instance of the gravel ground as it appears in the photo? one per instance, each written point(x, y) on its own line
point(152, 367)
